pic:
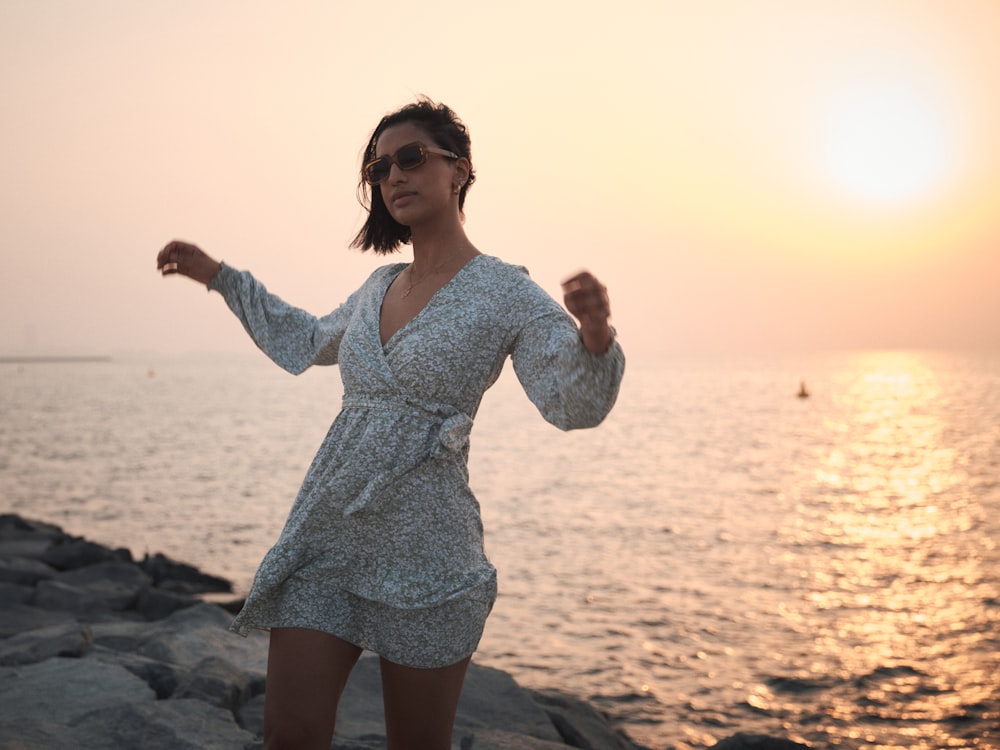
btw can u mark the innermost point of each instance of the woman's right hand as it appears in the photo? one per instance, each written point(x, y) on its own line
point(187, 260)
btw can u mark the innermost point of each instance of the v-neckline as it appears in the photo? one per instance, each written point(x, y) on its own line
point(390, 279)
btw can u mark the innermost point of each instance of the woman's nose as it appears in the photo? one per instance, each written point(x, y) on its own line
point(394, 173)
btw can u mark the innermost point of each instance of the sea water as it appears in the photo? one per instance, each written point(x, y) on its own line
point(719, 556)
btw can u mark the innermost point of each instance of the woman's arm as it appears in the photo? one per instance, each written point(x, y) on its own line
point(293, 338)
point(571, 374)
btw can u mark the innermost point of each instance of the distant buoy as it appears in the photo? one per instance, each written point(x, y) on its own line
point(803, 393)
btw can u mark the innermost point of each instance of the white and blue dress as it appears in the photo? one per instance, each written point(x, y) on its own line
point(383, 546)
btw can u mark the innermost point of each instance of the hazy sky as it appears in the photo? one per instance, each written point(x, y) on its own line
point(766, 175)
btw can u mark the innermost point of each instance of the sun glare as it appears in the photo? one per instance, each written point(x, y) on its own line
point(885, 144)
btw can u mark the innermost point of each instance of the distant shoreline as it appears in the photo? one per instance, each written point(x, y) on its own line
point(54, 358)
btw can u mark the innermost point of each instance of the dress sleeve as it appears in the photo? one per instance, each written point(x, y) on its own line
point(571, 387)
point(293, 338)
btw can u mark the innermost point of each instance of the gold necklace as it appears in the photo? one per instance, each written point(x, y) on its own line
point(409, 275)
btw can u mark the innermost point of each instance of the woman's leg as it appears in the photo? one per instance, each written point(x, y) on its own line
point(420, 705)
point(306, 674)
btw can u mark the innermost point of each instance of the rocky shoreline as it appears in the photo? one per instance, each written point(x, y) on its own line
point(99, 651)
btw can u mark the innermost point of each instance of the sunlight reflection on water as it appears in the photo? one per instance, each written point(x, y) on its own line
point(893, 542)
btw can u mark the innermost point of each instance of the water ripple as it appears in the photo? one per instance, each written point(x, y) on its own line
point(719, 556)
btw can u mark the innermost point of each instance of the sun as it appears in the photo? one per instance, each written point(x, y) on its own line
point(885, 144)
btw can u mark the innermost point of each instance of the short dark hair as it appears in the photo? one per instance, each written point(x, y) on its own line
point(381, 232)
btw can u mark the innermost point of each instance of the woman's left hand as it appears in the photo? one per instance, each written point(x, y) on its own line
point(587, 299)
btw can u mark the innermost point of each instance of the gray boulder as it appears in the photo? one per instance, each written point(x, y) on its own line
point(155, 604)
point(743, 741)
point(72, 553)
point(579, 724)
point(217, 682)
point(24, 571)
point(69, 639)
point(31, 547)
point(499, 739)
point(18, 618)
point(188, 724)
point(83, 599)
point(491, 699)
point(162, 677)
point(63, 690)
point(15, 593)
point(181, 577)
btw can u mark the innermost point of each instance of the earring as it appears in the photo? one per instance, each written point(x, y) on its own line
point(458, 188)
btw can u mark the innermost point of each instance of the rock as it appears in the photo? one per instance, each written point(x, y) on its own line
point(358, 715)
point(186, 637)
point(14, 527)
point(217, 682)
point(14, 593)
point(190, 635)
point(161, 725)
point(18, 618)
point(66, 639)
point(125, 574)
point(24, 571)
point(741, 741)
point(120, 635)
point(110, 586)
point(182, 578)
point(65, 690)
point(579, 724)
point(31, 548)
point(83, 600)
point(72, 553)
point(38, 733)
point(498, 739)
point(162, 677)
point(155, 604)
point(250, 715)
point(375, 743)
point(492, 699)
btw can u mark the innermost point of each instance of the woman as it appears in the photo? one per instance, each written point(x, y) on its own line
point(383, 548)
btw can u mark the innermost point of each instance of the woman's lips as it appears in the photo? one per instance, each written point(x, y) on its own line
point(402, 197)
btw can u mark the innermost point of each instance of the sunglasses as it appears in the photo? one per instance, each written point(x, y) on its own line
point(410, 156)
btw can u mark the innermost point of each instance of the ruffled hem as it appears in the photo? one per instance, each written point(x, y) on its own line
point(422, 638)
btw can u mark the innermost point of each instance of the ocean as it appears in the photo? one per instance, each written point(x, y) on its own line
point(718, 556)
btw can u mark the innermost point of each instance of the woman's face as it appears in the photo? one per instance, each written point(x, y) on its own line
point(422, 194)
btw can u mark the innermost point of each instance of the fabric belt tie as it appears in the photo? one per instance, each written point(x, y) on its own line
point(453, 430)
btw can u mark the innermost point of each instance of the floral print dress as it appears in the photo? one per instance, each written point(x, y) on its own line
point(383, 546)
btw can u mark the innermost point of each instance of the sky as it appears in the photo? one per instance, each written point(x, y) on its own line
point(765, 176)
